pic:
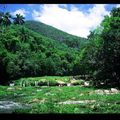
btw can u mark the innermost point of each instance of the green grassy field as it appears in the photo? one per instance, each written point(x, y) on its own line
point(55, 99)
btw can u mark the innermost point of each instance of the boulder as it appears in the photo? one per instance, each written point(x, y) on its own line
point(10, 88)
point(107, 91)
point(114, 90)
point(100, 92)
point(61, 83)
point(11, 84)
point(69, 84)
point(38, 90)
point(86, 84)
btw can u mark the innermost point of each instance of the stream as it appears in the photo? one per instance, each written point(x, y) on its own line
point(10, 106)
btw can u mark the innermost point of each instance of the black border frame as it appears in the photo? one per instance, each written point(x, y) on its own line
point(59, 1)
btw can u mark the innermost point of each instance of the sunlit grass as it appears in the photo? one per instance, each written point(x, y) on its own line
point(46, 99)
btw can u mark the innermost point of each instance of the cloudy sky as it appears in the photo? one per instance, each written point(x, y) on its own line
point(76, 19)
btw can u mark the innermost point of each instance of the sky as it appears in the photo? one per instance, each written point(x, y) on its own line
point(75, 19)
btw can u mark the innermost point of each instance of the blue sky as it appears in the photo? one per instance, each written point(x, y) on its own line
point(76, 19)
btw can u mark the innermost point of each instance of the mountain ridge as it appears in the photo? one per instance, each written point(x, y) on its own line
point(54, 33)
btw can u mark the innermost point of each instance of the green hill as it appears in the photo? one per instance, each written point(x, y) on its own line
point(56, 34)
point(25, 53)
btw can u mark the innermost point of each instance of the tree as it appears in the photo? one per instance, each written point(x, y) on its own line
point(109, 55)
point(6, 19)
point(19, 19)
point(1, 17)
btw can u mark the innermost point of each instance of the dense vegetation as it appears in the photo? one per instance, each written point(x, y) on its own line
point(35, 49)
point(106, 55)
point(53, 33)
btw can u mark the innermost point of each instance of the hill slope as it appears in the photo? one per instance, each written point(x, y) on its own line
point(25, 53)
point(56, 34)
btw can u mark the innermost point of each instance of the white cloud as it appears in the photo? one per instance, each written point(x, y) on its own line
point(118, 5)
point(74, 21)
point(20, 11)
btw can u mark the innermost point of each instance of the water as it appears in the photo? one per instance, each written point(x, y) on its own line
point(10, 106)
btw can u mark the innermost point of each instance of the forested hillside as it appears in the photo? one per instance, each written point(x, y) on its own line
point(26, 53)
point(56, 34)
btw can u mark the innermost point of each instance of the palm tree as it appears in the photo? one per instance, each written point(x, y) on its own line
point(19, 19)
point(5, 20)
point(1, 17)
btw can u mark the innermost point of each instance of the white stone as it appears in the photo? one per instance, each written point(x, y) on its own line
point(61, 82)
point(107, 91)
point(114, 90)
point(81, 94)
point(38, 90)
point(100, 92)
point(86, 84)
point(102, 83)
point(12, 84)
point(68, 84)
point(10, 88)
point(74, 79)
point(48, 93)
point(77, 102)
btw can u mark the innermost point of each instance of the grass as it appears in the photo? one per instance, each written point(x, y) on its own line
point(45, 99)
point(46, 80)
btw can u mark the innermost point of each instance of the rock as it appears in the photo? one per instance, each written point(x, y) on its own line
point(10, 88)
point(100, 92)
point(114, 90)
point(69, 84)
point(48, 93)
point(93, 106)
point(44, 86)
point(35, 100)
point(77, 102)
point(107, 91)
point(11, 84)
point(61, 83)
point(86, 84)
point(18, 88)
point(102, 83)
point(38, 90)
point(73, 81)
point(73, 98)
point(90, 93)
point(81, 94)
